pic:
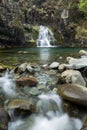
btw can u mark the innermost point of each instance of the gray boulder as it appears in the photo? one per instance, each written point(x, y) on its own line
point(21, 104)
point(75, 63)
point(82, 52)
point(72, 76)
point(74, 93)
point(54, 65)
point(22, 68)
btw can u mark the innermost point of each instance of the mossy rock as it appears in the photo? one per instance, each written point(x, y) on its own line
point(57, 36)
point(74, 93)
point(21, 104)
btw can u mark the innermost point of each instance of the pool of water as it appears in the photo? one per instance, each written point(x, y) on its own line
point(36, 55)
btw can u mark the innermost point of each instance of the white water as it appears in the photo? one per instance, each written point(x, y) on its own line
point(51, 121)
point(7, 84)
point(45, 37)
point(65, 14)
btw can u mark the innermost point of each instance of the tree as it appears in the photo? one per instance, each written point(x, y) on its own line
point(83, 6)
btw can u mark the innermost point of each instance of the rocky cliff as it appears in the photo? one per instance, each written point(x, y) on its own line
point(19, 21)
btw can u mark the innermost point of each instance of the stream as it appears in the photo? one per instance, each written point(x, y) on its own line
point(50, 114)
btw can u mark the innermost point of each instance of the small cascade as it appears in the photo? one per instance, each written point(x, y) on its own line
point(7, 84)
point(51, 105)
point(65, 15)
point(11, 113)
point(15, 124)
point(51, 117)
point(45, 38)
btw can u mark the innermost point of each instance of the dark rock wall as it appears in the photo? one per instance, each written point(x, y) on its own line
point(15, 14)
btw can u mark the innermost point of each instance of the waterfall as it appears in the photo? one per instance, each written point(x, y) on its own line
point(50, 117)
point(45, 38)
point(7, 84)
point(65, 15)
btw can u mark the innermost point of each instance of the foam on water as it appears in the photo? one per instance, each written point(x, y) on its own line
point(42, 121)
point(7, 84)
point(15, 125)
point(57, 123)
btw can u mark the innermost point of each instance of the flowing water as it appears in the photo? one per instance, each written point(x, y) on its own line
point(7, 84)
point(50, 117)
point(45, 38)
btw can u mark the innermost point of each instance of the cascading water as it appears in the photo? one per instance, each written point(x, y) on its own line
point(50, 117)
point(45, 38)
point(7, 84)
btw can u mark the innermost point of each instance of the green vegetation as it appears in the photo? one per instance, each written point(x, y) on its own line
point(19, 21)
point(83, 6)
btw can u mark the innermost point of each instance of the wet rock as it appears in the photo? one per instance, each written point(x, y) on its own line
point(61, 68)
point(84, 127)
point(21, 104)
point(4, 118)
point(23, 52)
point(37, 68)
point(34, 91)
point(75, 63)
point(27, 81)
point(71, 109)
point(29, 68)
point(54, 65)
point(2, 99)
point(45, 66)
point(51, 72)
point(82, 52)
point(72, 76)
point(2, 68)
point(41, 86)
point(74, 93)
point(22, 68)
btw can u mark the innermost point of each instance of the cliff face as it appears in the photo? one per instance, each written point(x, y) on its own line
point(19, 20)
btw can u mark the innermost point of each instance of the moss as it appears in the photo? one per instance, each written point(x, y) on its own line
point(32, 41)
point(35, 28)
point(58, 36)
point(31, 33)
point(81, 32)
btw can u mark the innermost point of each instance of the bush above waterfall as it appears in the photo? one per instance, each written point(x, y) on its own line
point(83, 6)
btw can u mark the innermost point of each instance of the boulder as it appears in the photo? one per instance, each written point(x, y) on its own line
point(34, 91)
point(4, 118)
point(75, 63)
point(84, 126)
point(71, 108)
point(51, 72)
point(82, 52)
point(21, 104)
point(27, 81)
point(45, 66)
point(54, 65)
point(74, 93)
point(22, 68)
point(61, 68)
point(72, 76)
point(29, 68)
point(2, 68)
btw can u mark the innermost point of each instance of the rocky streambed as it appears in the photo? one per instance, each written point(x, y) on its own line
point(23, 87)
